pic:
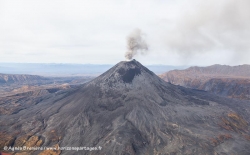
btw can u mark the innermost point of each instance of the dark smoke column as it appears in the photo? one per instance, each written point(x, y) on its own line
point(135, 44)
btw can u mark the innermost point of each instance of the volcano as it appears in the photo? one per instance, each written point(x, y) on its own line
point(130, 110)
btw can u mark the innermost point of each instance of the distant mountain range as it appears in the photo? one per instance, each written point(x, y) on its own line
point(53, 69)
point(11, 84)
point(230, 81)
point(18, 78)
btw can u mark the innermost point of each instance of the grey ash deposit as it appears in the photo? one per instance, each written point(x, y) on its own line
point(130, 110)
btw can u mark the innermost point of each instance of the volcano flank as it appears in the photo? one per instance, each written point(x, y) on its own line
point(130, 110)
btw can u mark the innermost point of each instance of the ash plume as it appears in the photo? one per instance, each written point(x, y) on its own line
point(135, 44)
point(213, 26)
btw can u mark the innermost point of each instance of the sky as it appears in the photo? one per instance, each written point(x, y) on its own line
point(178, 32)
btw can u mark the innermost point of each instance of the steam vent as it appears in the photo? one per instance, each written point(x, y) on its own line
point(130, 110)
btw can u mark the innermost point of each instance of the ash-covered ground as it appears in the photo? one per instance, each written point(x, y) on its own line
point(130, 110)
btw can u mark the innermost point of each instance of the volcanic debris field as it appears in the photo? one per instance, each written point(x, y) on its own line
point(130, 110)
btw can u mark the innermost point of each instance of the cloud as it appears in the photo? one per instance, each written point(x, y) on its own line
point(179, 32)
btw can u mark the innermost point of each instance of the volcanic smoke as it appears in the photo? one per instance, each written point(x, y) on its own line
point(135, 44)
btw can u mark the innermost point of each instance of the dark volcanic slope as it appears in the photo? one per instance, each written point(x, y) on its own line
point(230, 81)
point(129, 110)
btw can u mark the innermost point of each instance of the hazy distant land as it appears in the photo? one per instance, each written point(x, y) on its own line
point(63, 69)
